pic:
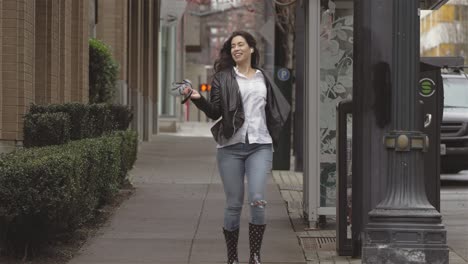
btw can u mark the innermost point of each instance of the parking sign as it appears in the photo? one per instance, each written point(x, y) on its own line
point(283, 74)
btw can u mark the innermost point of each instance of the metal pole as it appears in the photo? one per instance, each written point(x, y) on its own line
point(198, 86)
point(404, 227)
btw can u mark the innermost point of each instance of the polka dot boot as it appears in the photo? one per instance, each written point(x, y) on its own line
point(255, 239)
point(231, 237)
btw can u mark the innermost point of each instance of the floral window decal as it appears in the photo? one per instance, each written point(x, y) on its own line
point(336, 81)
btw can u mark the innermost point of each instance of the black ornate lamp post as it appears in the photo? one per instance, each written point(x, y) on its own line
point(404, 227)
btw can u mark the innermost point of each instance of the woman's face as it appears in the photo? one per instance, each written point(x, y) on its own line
point(240, 50)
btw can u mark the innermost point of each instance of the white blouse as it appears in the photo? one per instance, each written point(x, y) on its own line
point(254, 97)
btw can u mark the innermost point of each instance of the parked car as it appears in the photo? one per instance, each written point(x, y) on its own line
point(454, 127)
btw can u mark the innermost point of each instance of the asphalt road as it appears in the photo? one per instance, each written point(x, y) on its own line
point(454, 207)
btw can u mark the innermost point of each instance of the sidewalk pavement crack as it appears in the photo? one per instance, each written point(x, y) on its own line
point(200, 215)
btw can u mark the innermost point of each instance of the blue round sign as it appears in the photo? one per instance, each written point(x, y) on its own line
point(283, 74)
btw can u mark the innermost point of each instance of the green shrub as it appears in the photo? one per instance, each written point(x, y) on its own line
point(100, 120)
point(39, 109)
point(49, 189)
point(85, 121)
point(78, 113)
point(103, 72)
point(121, 115)
point(46, 129)
point(129, 150)
point(36, 186)
point(102, 166)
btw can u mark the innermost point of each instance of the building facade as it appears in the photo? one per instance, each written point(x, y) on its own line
point(131, 29)
point(43, 59)
point(44, 56)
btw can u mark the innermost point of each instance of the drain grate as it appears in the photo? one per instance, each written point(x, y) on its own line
point(289, 187)
point(318, 243)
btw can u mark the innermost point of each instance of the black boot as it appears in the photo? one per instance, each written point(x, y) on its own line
point(255, 239)
point(231, 237)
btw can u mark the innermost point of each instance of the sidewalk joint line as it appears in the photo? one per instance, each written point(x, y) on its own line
point(200, 216)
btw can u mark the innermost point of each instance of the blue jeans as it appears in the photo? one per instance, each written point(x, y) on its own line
point(253, 161)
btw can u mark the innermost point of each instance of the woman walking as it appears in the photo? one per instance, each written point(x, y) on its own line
point(252, 111)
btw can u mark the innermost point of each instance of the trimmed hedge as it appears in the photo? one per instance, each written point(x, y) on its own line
point(78, 113)
point(100, 120)
point(46, 129)
point(55, 188)
point(121, 116)
point(129, 151)
point(85, 121)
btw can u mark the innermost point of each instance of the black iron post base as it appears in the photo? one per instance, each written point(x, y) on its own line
point(405, 243)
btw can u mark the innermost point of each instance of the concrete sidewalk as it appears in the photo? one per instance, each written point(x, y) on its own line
point(176, 214)
point(319, 244)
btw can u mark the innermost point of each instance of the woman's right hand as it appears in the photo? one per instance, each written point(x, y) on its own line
point(195, 93)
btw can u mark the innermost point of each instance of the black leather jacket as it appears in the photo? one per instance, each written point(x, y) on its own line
point(226, 102)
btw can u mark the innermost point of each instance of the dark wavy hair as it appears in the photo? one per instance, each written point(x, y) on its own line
point(225, 59)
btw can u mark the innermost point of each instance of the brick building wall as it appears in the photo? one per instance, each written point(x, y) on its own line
point(112, 29)
point(80, 51)
point(53, 49)
point(59, 52)
point(65, 51)
point(131, 29)
point(43, 59)
point(44, 56)
point(17, 70)
point(47, 52)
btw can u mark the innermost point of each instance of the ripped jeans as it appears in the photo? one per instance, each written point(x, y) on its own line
point(255, 162)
